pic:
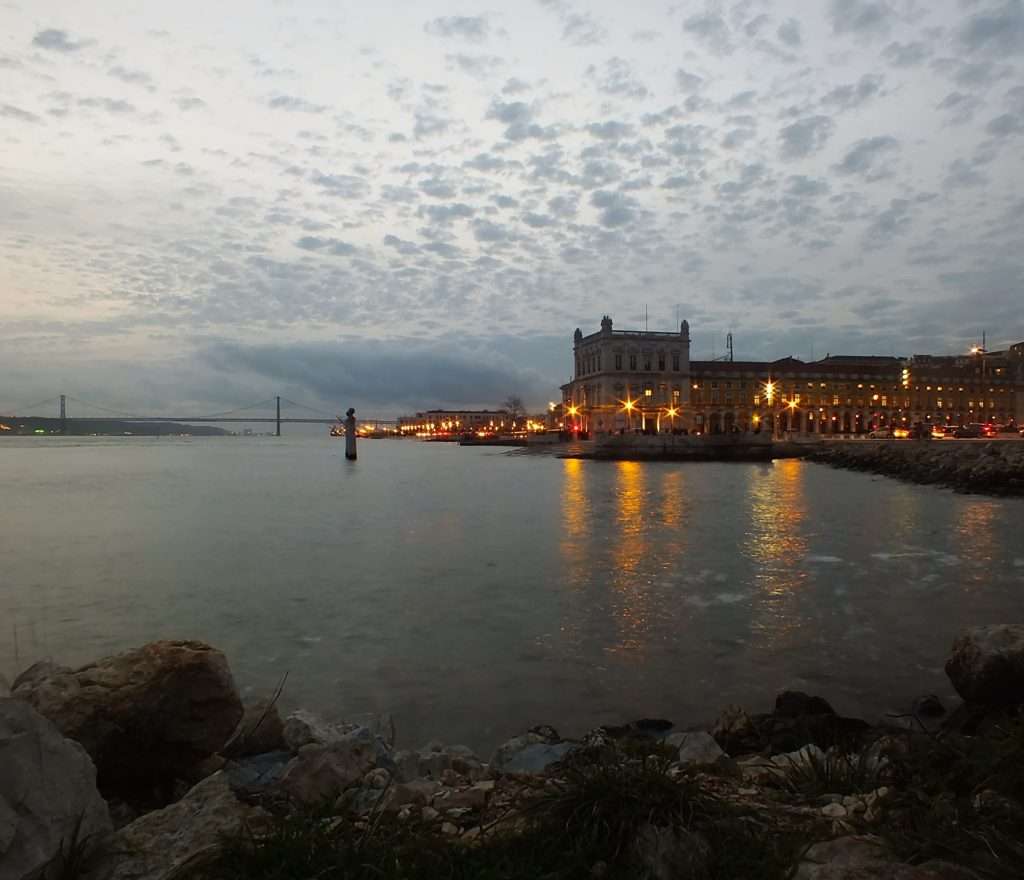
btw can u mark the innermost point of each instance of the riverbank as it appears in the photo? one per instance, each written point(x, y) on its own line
point(992, 467)
point(156, 770)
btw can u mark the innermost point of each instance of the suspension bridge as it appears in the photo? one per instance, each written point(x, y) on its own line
point(57, 409)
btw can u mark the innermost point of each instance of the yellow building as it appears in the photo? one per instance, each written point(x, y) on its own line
point(634, 380)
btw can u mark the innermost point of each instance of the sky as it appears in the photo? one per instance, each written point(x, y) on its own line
point(401, 205)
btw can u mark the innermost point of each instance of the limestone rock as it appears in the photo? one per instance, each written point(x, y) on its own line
point(418, 792)
point(797, 704)
point(47, 792)
point(671, 853)
point(697, 747)
point(471, 798)
point(987, 664)
point(866, 858)
point(158, 843)
point(260, 731)
point(254, 774)
point(530, 753)
point(732, 722)
point(407, 765)
point(145, 717)
point(320, 773)
point(301, 728)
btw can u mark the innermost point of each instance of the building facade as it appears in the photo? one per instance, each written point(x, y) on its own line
point(625, 378)
point(630, 380)
point(454, 421)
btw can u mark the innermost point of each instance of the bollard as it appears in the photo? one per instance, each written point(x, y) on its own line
point(350, 434)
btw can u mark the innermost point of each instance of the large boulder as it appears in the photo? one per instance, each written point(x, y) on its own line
point(866, 858)
point(158, 844)
point(48, 796)
point(987, 664)
point(697, 747)
point(146, 717)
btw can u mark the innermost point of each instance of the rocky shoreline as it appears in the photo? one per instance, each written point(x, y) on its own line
point(992, 468)
point(147, 766)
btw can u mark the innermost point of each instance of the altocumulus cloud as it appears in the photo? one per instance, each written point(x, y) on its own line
point(474, 28)
point(57, 41)
point(332, 246)
point(805, 136)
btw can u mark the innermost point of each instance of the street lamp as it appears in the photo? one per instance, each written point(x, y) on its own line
point(769, 396)
point(628, 406)
point(672, 412)
point(572, 411)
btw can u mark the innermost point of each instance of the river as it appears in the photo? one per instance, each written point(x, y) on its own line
point(473, 593)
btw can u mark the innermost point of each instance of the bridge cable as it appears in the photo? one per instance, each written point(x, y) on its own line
point(30, 406)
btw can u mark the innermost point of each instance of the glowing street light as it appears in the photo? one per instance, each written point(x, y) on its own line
point(628, 406)
point(672, 412)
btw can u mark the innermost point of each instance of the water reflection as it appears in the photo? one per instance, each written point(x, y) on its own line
point(776, 544)
point(630, 548)
point(976, 532)
point(576, 523)
point(630, 521)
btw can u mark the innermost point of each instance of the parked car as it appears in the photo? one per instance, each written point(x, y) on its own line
point(941, 432)
point(901, 433)
point(967, 432)
point(882, 434)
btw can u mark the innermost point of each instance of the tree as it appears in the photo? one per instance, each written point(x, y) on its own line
point(514, 406)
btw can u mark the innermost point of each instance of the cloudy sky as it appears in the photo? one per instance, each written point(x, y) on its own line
point(399, 204)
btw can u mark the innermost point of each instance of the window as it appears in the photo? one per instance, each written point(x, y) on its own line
point(618, 362)
point(757, 400)
point(648, 392)
point(675, 362)
point(647, 362)
point(675, 395)
point(599, 362)
point(661, 363)
point(632, 361)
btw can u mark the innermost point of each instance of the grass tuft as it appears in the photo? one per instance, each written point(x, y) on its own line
point(835, 772)
point(586, 818)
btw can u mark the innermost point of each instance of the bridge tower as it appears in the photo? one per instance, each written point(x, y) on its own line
point(63, 413)
point(278, 416)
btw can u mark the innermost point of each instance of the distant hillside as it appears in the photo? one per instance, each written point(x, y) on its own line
point(113, 427)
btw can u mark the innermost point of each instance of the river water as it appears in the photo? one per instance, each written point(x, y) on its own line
point(473, 593)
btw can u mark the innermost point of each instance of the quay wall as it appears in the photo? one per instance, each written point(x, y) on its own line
point(990, 467)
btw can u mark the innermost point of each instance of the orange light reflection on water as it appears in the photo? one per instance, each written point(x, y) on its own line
point(576, 521)
point(630, 600)
point(777, 545)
